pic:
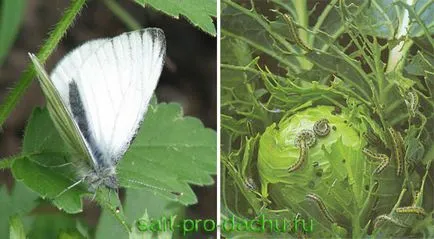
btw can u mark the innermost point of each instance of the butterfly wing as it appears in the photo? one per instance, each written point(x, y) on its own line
point(60, 112)
point(115, 84)
point(67, 68)
point(113, 80)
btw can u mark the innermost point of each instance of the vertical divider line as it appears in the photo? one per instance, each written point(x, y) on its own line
point(218, 120)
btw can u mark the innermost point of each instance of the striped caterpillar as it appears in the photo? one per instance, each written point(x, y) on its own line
point(412, 102)
point(416, 197)
point(303, 140)
point(250, 184)
point(321, 127)
point(302, 158)
point(414, 209)
point(307, 135)
point(411, 210)
point(397, 149)
point(401, 146)
point(371, 137)
point(321, 206)
point(294, 34)
point(384, 159)
point(386, 218)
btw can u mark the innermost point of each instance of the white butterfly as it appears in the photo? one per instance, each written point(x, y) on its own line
point(98, 95)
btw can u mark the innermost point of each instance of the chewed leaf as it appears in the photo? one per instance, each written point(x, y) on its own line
point(199, 12)
point(169, 152)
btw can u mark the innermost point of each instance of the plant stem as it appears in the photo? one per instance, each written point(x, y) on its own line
point(303, 21)
point(249, 69)
point(50, 44)
point(122, 14)
point(117, 213)
point(356, 232)
point(301, 10)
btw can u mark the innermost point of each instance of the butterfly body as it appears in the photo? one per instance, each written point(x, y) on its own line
point(103, 173)
point(106, 177)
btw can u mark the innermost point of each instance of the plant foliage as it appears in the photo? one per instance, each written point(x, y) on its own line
point(286, 65)
point(169, 161)
point(198, 12)
point(171, 151)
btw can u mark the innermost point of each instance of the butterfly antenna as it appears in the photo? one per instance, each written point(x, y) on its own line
point(177, 194)
point(71, 186)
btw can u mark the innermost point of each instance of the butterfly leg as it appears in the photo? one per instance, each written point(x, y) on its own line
point(71, 186)
point(54, 166)
point(61, 165)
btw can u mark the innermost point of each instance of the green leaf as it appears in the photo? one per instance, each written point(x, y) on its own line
point(49, 183)
point(19, 202)
point(420, 64)
point(45, 166)
point(38, 168)
point(198, 12)
point(16, 228)
point(253, 28)
point(137, 234)
point(420, 13)
point(170, 152)
point(377, 18)
point(11, 13)
point(54, 225)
